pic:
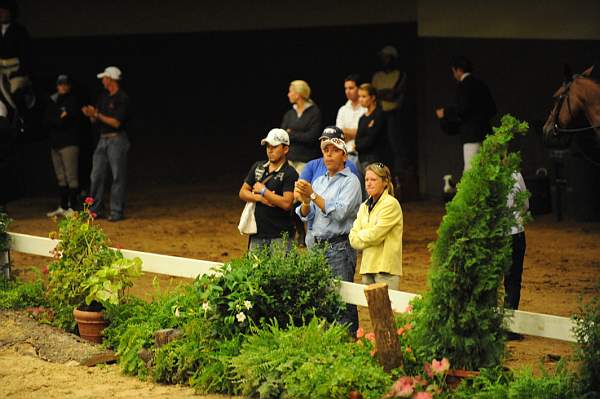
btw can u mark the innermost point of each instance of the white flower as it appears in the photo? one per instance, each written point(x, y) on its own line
point(248, 305)
point(177, 311)
point(218, 273)
point(240, 317)
point(206, 306)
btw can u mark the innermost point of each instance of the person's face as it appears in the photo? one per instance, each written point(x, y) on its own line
point(275, 153)
point(293, 96)
point(5, 15)
point(351, 90)
point(334, 158)
point(365, 99)
point(374, 184)
point(106, 82)
point(63, 88)
point(386, 60)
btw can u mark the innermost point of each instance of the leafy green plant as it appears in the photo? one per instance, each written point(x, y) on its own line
point(312, 361)
point(16, 294)
point(108, 284)
point(82, 261)
point(587, 331)
point(462, 318)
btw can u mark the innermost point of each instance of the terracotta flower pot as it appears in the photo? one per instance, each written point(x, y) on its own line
point(90, 325)
point(454, 377)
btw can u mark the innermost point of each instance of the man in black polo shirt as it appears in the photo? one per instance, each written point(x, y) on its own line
point(109, 117)
point(271, 185)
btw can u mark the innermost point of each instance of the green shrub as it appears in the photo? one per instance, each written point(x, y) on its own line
point(312, 361)
point(587, 331)
point(462, 316)
point(15, 294)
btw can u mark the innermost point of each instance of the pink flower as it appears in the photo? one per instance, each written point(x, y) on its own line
point(370, 336)
point(45, 270)
point(422, 395)
point(408, 326)
point(441, 366)
point(404, 387)
point(373, 352)
point(360, 332)
point(408, 309)
point(89, 200)
point(427, 368)
point(94, 215)
point(400, 331)
point(419, 380)
point(408, 349)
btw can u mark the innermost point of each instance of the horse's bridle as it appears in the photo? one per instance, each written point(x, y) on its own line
point(559, 104)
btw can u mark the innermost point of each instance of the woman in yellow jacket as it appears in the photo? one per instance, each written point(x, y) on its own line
point(377, 230)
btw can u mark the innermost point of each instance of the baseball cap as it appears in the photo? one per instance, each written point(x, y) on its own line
point(111, 72)
point(339, 143)
point(276, 137)
point(63, 80)
point(332, 132)
point(389, 50)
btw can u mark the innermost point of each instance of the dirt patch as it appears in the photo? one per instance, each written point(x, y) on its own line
point(561, 263)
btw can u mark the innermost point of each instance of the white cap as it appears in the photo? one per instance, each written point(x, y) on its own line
point(389, 50)
point(336, 142)
point(111, 72)
point(276, 137)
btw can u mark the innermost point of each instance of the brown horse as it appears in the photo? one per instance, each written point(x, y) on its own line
point(579, 94)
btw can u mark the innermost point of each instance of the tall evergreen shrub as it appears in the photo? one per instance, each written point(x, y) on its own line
point(462, 316)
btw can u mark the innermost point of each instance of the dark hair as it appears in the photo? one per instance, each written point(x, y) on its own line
point(369, 88)
point(461, 62)
point(353, 77)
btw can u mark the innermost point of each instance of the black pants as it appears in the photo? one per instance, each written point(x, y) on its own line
point(512, 278)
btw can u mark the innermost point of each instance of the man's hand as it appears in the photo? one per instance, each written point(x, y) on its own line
point(89, 111)
point(439, 113)
point(257, 188)
point(304, 189)
point(263, 200)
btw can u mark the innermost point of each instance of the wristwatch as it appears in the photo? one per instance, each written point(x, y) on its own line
point(313, 196)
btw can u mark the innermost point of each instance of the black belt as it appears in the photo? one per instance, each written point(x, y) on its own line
point(332, 240)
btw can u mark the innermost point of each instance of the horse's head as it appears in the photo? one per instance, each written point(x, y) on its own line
point(568, 101)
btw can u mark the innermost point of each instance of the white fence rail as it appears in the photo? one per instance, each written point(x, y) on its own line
point(536, 324)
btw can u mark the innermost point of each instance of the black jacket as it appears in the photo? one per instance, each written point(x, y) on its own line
point(304, 133)
point(470, 117)
point(371, 137)
point(63, 131)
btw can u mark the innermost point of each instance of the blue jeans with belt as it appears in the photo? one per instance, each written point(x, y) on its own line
point(110, 154)
point(342, 261)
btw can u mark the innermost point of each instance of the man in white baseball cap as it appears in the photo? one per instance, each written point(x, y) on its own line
point(271, 185)
point(110, 72)
point(109, 117)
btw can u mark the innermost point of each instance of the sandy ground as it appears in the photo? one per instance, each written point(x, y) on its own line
point(562, 262)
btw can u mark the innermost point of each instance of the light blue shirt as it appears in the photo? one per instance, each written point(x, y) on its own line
point(342, 195)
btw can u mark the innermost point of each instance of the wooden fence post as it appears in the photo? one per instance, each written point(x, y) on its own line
point(382, 317)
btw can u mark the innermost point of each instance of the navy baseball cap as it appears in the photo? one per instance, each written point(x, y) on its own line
point(62, 80)
point(332, 132)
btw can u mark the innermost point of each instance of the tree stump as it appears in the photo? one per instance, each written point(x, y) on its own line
point(164, 336)
point(382, 317)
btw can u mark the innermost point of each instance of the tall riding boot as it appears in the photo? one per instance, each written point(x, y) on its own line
point(63, 192)
point(74, 202)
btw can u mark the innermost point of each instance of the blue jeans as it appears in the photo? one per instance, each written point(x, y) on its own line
point(110, 154)
point(342, 261)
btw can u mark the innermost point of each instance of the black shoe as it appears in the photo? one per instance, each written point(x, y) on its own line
point(114, 218)
point(513, 336)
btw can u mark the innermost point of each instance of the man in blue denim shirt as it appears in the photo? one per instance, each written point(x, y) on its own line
point(330, 205)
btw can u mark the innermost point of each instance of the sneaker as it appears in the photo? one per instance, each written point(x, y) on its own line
point(115, 218)
point(57, 212)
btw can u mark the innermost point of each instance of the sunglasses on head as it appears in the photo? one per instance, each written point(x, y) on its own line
point(378, 164)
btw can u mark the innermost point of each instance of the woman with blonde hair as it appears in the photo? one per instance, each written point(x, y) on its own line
point(377, 230)
point(303, 124)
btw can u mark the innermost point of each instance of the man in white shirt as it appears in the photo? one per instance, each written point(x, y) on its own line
point(349, 114)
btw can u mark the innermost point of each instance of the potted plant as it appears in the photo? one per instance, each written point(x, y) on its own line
point(86, 274)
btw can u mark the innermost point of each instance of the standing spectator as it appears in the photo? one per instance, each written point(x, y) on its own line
point(377, 230)
point(371, 140)
point(316, 168)
point(109, 117)
point(471, 115)
point(349, 114)
point(330, 205)
point(390, 83)
point(271, 185)
point(303, 124)
point(62, 119)
point(15, 47)
point(512, 279)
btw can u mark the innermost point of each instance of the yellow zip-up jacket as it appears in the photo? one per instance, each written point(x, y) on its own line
point(379, 235)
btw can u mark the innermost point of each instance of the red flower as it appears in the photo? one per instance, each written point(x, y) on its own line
point(89, 200)
point(370, 336)
point(45, 270)
point(360, 332)
point(400, 331)
point(94, 215)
